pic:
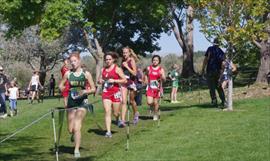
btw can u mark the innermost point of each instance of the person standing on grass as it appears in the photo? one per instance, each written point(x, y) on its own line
point(227, 69)
point(77, 97)
point(129, 68)
point(33, 86)
point(212, 61)
point(52, 85)
point(111, 77)
point(154, 76)
point(13, 93)
point(174, 76)
point(3, 92)
point(64, 70)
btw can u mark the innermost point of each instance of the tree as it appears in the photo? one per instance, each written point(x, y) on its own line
point(181, 23)
point(31, 49)
point(105, 25)
point(238, 24)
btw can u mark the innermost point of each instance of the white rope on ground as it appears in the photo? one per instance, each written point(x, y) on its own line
point(27, 126)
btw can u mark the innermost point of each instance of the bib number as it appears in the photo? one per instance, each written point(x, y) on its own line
point(117, 95)
point(154, 84)
point(74, 95)
point(106, 86)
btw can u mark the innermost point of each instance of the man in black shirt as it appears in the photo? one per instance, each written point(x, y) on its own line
point(212, 61)
point(3, 90)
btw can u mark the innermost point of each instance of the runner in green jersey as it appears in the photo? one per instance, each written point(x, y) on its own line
point(80, 85)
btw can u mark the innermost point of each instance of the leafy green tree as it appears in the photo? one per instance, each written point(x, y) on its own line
point(239, 23)
point(31, 49)
point(105, 25)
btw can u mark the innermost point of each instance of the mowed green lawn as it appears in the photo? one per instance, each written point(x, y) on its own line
point(188, 131)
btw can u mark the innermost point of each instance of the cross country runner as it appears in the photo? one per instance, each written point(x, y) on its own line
point(154, 76)
point(77, 97)
point(130, 70)
point(110, 78)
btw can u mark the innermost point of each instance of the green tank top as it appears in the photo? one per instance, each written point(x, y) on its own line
point(76, 85)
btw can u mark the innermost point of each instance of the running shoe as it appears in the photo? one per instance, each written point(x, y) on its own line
point(155, 117)
point(119, 123)
point(108, 134)
point(77, 154)
point(136, 118)
point(122, 124)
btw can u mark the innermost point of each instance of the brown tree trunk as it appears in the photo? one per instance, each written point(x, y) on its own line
point(42, 69)
point(188, 68)
point(99, 65)
point(264, 68)
point(96, 52)
point(185, 40)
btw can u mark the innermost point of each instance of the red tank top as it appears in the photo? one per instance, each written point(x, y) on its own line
point(154, 77)
point(128, 75)
point(110, 75)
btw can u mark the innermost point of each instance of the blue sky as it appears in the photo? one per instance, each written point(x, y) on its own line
point(169, 44)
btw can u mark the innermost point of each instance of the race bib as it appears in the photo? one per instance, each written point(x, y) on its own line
point(117, 95)
point(107, 85)
point(74, 94)
point(85, 101)
point(154, 84)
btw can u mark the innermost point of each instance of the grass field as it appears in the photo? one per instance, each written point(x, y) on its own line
point(188, 131)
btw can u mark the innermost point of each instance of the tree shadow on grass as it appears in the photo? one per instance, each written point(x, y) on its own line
point(173, 107)
point(21, 148)
point(86, 159)
point(146, 117)
point(62, 149)
point(99, 132)
point(205, 106)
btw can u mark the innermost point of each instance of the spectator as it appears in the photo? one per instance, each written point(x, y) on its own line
point(3, 92)
point(174, 76)
point(52, 86)
point(212, 61)
point(33, 86)
point(227, 69)
point(13, 93)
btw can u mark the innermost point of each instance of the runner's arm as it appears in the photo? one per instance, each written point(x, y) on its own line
point(133, 71)
point(145, 76)
point(162, 72)
point(62, 82)
point(92, 87)
point(122, 79)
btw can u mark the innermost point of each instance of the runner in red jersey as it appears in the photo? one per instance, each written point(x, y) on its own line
point(110, 78)
point(65, 69)
point(130, 70)
point(155, 74)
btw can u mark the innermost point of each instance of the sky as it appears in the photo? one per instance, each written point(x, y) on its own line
point(169, 44)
